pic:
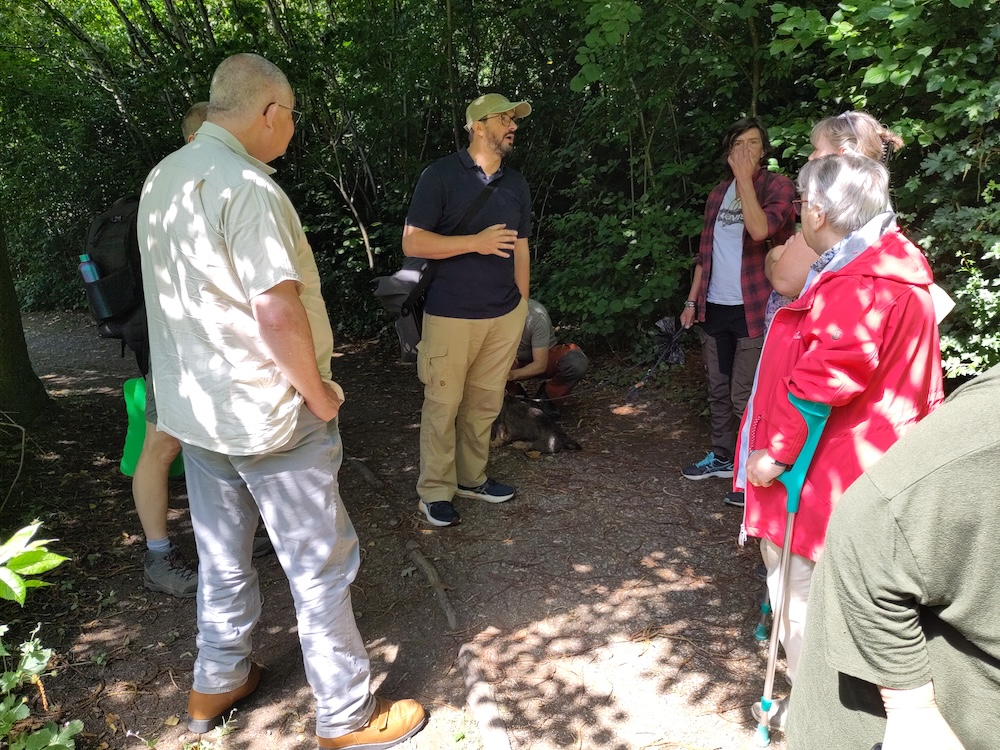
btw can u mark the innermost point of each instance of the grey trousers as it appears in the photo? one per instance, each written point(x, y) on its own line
point(297, 494)
point(728, 394)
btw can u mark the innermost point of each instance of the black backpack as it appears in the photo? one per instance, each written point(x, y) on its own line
point(115, 298)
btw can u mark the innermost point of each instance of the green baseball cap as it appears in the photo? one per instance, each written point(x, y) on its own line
point(492, 104)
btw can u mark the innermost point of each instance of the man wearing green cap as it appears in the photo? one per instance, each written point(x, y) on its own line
point(471, 215)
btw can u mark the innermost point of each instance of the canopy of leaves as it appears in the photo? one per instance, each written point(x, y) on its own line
point(630, 98)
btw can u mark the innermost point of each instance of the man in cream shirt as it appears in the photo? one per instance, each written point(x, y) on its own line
point(241, 344)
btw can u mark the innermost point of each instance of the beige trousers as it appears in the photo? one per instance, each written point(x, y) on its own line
point(793, 619)
point(463, 364)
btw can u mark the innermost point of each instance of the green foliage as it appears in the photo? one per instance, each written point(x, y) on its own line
point(21, 557)
point(610, 273)
point(630, 98)
point(929, 70)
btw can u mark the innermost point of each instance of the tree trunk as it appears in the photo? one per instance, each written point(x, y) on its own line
point(22, 395)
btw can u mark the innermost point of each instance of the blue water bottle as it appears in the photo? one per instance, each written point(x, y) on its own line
point(88, 269)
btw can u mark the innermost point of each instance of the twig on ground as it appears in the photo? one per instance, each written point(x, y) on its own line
point(9, 422)
point(428, 569)
point(660, 632)
point(365, 472)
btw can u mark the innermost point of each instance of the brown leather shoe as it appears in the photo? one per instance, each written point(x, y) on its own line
point(205, 710)
point(392, 722)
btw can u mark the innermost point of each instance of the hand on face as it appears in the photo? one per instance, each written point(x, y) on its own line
point(744, 160)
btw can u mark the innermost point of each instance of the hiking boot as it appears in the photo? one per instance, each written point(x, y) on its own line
point(262, 545)
point(490, 491)
point(441, 513)
point(710, 466)
point(207, 710)
point(735, 499)
point(775, 717)
point(391, 723)
point(169, 573)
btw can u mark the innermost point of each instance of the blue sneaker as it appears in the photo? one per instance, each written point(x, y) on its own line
point(441, 513)
point(710, 466)
point(490, 491)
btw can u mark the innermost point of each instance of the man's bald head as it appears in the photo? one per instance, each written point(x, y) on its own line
point(242, 87)
point(252, 99)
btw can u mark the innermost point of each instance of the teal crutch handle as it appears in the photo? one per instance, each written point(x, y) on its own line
point(815, 415)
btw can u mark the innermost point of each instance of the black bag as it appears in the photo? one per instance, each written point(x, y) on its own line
point(394, 292)
point(115, 298)
point(405, 292)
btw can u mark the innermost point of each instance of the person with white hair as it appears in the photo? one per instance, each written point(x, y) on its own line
point(861, 338)
point(241, 349)
point(787, 265)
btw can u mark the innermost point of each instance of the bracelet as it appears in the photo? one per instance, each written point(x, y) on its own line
point(689, 304)
point(779, 463)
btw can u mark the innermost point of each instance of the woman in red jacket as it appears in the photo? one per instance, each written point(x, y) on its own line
point(862, 338)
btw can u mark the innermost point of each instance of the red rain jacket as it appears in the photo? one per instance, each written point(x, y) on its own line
point(863, 339)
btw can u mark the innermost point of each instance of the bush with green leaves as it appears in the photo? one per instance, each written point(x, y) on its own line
point(612, 273)
point(927, 68)
point(20, 559)
point(630, 98)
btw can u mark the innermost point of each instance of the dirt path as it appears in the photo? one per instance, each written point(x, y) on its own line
point(607, 606)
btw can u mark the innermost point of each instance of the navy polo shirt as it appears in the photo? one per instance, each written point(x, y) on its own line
point(471, 285)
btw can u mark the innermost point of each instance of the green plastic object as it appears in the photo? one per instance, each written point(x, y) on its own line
point(815, 416)
point(135, 407)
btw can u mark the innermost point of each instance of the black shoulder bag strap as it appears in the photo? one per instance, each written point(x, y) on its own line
point(429, 269)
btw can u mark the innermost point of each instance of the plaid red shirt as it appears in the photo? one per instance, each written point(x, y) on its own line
point(775, 194)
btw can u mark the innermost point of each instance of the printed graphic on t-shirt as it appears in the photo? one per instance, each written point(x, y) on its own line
point(725, 285)
point(731, 214)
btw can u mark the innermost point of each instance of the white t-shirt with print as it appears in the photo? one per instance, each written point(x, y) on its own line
point(724, 286)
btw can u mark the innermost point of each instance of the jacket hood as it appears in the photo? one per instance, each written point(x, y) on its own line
point(890, 256)
point(893, 257)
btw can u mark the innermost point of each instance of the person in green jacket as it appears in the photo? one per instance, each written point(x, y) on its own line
point(902, 645)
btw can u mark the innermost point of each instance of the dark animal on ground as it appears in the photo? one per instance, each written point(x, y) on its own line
point(524, 425)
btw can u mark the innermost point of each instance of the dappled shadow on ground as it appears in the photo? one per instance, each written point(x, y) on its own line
point(607, 606)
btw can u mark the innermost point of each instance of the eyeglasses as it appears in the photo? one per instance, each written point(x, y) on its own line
point(505, 119)
point(296, 114)
point(798, 203)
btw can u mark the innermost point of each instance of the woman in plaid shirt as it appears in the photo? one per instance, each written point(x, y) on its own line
point(747, 213)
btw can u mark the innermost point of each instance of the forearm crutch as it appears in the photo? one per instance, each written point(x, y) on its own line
point(815, 416)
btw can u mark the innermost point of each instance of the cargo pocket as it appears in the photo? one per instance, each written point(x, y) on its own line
point(431, 363)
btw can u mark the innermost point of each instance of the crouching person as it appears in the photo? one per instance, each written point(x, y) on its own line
point(241, 348)
point(538, 355)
